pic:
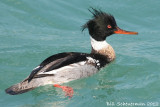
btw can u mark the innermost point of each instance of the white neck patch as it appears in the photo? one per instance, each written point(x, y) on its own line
point(98, 45)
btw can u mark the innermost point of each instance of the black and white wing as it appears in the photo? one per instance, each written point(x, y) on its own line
point(57, 61)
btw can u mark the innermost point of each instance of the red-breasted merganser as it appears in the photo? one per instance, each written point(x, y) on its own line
point(64, 67)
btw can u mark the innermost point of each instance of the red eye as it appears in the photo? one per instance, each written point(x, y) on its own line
point(109, 26)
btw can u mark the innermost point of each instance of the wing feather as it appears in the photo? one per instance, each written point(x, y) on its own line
point(57, 61)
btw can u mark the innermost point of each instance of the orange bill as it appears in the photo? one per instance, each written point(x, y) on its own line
point(120, 31)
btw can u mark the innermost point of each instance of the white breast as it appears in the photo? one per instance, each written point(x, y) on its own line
point(98, 45)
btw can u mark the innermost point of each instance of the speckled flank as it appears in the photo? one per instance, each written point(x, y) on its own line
point(73, 72)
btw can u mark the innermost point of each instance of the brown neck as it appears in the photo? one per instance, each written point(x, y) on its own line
point(108, 52)
point(102, 48)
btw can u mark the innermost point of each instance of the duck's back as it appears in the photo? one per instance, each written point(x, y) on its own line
point(60, 68)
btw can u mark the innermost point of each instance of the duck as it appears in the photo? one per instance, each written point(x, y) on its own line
point(68, 66)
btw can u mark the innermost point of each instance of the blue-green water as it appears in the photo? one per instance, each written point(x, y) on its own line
point(32, 30)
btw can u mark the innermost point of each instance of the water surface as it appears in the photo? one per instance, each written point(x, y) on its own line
point(30, 31)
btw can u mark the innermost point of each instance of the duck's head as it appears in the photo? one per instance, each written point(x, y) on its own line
point(103, 25)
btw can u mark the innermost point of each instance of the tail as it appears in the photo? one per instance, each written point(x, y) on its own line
point(19, 88)
point(26, 85)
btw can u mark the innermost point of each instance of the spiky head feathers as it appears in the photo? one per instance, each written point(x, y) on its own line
point(101, 25)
